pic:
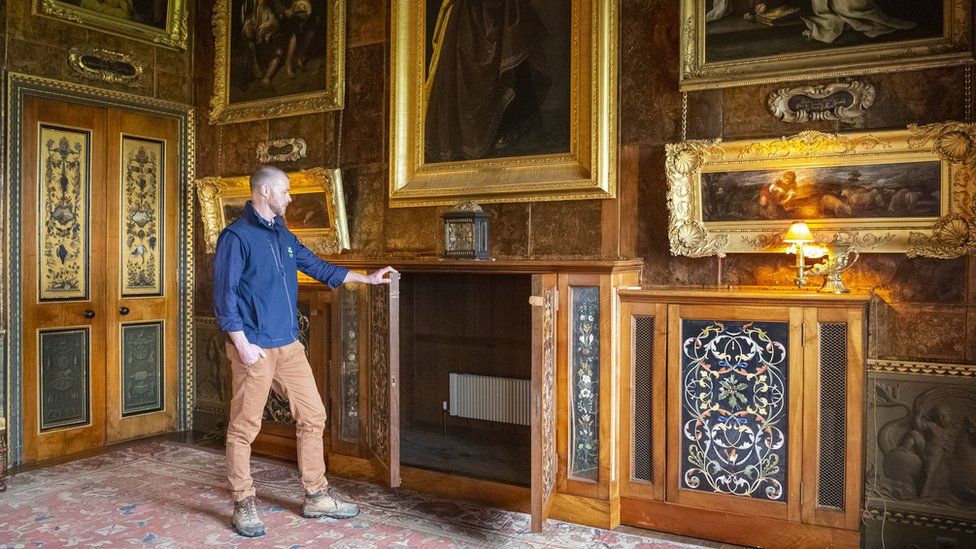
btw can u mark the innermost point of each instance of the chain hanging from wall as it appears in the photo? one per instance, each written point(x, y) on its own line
point(968, 81)
point(338, 163)
point(684, 116)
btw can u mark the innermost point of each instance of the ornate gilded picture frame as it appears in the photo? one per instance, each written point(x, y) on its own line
point(897, 191)
point(162, 23)
point(271, 65)
point(728, 43)
point(317, 213)
point(526, 113)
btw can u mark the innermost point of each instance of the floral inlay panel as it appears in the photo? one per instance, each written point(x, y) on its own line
point(585, 441)
point(734, 410)
point(63, 187)
point(142, 214)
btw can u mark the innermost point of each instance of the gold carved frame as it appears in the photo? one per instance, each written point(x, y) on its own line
point(329, 99)
point(174, 36)
point(952, 234)
point(212, 191)
point(954, 47)
point(587, 171)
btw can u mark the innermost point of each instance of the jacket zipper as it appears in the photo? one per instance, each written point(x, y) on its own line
point(281, 270)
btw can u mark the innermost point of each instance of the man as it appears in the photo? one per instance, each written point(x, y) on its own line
point(774, 196)
point(255, 298)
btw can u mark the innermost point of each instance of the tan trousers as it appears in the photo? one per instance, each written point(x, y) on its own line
point(288, 367)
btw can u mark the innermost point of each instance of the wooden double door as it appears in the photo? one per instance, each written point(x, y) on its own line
point(100, 241)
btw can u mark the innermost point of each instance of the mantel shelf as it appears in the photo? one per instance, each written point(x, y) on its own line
point(755, 295)
point(508, 266)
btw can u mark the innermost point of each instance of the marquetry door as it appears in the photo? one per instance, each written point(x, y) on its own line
point(544, 301)
point(382, 394)
point(99, 255)
point(735, 380)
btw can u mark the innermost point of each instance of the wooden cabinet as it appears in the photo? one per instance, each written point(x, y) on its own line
point(742, 415)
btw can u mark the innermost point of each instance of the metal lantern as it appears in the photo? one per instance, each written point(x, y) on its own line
point(466, 232)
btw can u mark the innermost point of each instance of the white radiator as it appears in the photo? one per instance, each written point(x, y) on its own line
point(501, 399)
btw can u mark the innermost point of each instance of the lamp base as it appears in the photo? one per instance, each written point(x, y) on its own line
point(833, 284)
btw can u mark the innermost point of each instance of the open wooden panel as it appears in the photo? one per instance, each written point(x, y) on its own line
point(544, 302)
point(383, 371)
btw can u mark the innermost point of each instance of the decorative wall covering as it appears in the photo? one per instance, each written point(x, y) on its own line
point(143, 189)
point(63, 222)
point(734, 408)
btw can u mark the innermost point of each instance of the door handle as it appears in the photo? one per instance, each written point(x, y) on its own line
point(123, 310)
point(89, 313)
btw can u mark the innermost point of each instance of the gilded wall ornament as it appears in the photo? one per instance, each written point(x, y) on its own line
point(728, 44)
point(906, 191)
point(108, 66)
point(282, 150)
point(510, 148)
point(317, 213)
point(162, 23)
point(260, 72)
point(845, 101)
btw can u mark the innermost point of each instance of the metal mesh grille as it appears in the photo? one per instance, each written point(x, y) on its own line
point(833, 414)
point(643, 353)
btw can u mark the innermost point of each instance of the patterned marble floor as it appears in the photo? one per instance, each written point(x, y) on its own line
point(169, 494)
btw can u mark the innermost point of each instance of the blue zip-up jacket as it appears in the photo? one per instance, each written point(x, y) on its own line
point(256, 279)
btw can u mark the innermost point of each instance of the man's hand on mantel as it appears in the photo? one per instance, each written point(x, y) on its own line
point(376, 277)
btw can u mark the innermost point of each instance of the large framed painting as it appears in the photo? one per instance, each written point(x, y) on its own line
point(317, 213)
point(908, 191)
point(737, 42)
point(502, 100)
point(159, 21)
point(276, 59)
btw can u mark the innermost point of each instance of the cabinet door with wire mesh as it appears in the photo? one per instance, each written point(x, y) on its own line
point(643, 369)
point(833, 416)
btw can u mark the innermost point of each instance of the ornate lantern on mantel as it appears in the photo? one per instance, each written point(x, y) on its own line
point(466, 232)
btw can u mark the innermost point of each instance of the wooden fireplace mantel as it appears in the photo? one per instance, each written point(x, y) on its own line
point(506, 266)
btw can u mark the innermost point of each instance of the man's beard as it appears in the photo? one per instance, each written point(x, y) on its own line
point(277, 207)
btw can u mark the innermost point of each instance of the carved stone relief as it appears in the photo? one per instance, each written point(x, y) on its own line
point(921, 448)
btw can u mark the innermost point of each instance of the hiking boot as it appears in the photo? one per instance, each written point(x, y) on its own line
point(246, 520)
point(325, 503)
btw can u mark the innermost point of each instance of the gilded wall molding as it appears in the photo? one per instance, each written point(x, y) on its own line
point(714, 178)
point(174, 35)
point(845, 101)
point(950, 48)
point(882, 366)
point(282, 150)
point(921, 519)
point(331, 97)
point(105, 65)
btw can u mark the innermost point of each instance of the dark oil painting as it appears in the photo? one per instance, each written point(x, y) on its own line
point(747, 29)
point(145, 12)
point(497, 79)
point(277, 48)
point(306, 210)
point(908, 190)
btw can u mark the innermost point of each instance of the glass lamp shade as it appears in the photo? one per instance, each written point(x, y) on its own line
point(798, 233)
